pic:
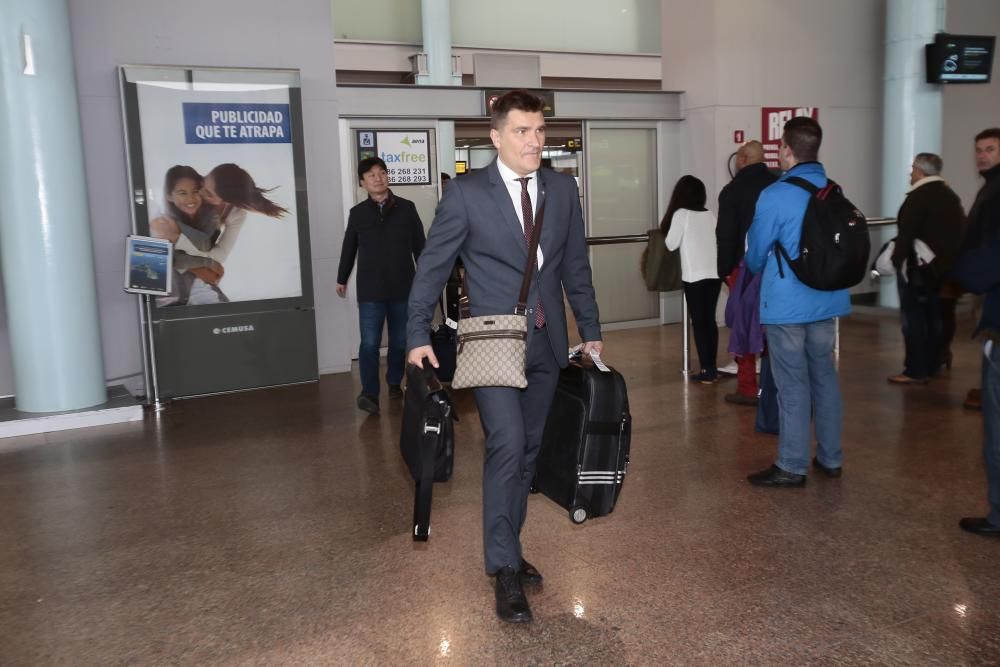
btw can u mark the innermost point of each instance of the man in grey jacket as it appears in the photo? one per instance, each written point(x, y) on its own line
point(486, 218)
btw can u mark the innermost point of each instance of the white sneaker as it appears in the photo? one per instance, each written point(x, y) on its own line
point(729, 369)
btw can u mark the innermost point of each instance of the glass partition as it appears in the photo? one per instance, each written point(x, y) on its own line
point(622, 189)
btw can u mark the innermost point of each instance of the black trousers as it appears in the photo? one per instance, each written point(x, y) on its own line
point(702, 297)
point(920, 312)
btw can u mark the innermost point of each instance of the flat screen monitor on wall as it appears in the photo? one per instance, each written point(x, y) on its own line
point(960, 58)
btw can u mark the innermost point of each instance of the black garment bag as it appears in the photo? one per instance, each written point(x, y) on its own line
point(427, 440)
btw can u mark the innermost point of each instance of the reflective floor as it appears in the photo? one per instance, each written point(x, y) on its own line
point(273, 528)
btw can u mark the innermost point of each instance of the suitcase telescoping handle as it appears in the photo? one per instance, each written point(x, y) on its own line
point(622, 435)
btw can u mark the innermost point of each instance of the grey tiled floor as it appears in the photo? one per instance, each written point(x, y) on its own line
point(273, 528)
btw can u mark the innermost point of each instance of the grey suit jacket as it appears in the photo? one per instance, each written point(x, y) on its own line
point(475, 219)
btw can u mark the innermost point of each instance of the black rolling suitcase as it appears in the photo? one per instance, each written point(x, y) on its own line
point(426, 440)
point(585, 450)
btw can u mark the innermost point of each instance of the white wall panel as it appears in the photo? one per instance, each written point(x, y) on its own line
point(732, 58)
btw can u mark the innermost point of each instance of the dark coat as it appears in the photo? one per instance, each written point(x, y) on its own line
point(984, 216)
point(978, 268)
point(932, 213)
point(737, 202)
point(386, 242)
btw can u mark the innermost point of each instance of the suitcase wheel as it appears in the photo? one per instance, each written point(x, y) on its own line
point(578, 514)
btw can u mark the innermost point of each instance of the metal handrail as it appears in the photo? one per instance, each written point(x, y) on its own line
point(643, 238)
point(622, 238)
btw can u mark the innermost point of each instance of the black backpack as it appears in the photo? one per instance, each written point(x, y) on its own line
point(834, 248)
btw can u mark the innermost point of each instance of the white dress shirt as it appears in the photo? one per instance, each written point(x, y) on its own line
point(514, 190)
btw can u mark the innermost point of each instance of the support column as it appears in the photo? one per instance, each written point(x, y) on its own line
point(46, 254)
point(436, 22)
point(912, 108)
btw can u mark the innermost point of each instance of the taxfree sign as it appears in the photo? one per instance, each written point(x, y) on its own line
point(406, 155)
point(773, 121)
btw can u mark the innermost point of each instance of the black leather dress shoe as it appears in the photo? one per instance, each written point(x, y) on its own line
point(775, 476)
point(979, 526)
point(368, 404)
point(512, 605)
point(829, 472)
point(530, 574)
point(395, 391)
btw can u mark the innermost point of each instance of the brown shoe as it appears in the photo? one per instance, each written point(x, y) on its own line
point(973, 400)
point(906, 379)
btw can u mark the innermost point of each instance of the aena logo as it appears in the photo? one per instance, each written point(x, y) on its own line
point(406, 141)
point(243, 328)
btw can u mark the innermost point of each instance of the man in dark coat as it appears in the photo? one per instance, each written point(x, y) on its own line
point(978, 270)
point(385, 234)
point(930, 232)
point(737, 203)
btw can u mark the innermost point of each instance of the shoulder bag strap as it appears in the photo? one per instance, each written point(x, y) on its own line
point(522, 298)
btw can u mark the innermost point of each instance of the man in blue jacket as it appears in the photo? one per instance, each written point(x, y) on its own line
point(798, 320)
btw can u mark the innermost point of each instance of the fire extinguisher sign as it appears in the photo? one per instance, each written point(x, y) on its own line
point(772, 120)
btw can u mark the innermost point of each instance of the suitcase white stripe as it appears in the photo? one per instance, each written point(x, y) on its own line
point(601, 477)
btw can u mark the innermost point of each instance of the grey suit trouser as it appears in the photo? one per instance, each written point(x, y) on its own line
point(513, 421)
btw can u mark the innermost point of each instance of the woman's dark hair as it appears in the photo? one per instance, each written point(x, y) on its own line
point(174, 175)
point(689, 193)
point(235, 186)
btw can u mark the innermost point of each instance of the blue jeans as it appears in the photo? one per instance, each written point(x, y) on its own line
point(920, 311)
point(991, 427)
point(371, 317)
point(802, 365)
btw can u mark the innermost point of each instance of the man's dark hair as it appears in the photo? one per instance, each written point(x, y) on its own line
point(989, 133)
point(803, 135)
point(521, 100)
point(365, 166)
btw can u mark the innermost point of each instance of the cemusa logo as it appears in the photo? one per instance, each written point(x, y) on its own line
point(243, 328)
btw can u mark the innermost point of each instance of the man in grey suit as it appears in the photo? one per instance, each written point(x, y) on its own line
point(486, 218)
